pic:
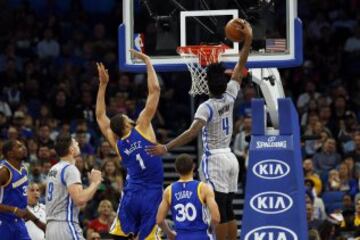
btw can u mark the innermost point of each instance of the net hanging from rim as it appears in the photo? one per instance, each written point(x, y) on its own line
point(204, 55)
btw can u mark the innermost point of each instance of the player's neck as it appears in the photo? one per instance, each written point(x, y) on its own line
point(14, 163)
point(186, 178)
point(69, 159)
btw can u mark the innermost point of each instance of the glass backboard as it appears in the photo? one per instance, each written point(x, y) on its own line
point(158, 27)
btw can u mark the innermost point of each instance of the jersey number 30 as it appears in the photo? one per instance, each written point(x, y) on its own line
point(185, 212)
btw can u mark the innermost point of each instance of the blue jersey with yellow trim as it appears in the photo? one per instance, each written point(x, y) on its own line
point(142, 169)
point(188, 211)
point(14, 193)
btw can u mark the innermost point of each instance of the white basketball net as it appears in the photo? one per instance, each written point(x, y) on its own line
point(197, 58)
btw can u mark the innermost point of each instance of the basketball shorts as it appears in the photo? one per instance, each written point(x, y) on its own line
point(58, 230)
point(13, 229)
point(220, 169)
point(137, 214)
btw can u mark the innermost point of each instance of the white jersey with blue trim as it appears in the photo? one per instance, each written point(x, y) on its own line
point(59, 205)
point(218, 115)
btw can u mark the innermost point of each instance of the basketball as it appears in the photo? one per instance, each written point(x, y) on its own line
point(231, 30)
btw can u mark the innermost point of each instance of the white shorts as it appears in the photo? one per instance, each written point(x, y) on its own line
point(220, 169)
point(57, 230)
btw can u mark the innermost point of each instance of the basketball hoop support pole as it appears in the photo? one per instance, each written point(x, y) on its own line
point(269, 81)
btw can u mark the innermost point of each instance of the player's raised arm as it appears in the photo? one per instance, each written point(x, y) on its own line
point(152, 100)
point(246, 29)
point(101, 118)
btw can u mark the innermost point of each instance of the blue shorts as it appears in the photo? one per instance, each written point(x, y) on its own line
point(203, 235)
point(137, 213)
point(14, 229)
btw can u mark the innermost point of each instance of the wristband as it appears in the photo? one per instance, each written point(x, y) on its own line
point(166, 149)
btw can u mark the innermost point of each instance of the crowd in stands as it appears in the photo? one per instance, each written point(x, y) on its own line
point(48, 84)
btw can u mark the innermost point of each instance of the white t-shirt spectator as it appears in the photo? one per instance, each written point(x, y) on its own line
point(48, 48)
point(39, 211)
point(5, 108)
point(352, 44)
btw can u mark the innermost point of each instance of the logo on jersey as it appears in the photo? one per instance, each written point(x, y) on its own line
point(271, 143)
point(271, 233)
point(271, 202)
point(271, 169)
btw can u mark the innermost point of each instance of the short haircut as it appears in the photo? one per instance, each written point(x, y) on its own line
point(184, 164)
point(117, 124)
point(8, 147)
point(62, 145)
point(216, 79)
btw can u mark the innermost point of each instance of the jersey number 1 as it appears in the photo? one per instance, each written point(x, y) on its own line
point(141, 161)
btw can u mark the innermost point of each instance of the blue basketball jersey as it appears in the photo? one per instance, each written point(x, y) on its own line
point(142, 169)
point(188, 212)
point(14, 193)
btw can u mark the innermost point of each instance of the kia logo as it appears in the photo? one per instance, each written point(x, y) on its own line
point(271, 169)
point(271, 233)
point(271, 202)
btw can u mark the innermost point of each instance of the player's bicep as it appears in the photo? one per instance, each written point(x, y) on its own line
point(163, 207)
point(74, 191)
point(4, 176)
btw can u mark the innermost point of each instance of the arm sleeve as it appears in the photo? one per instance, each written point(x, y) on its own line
point(72, 175)
point(233, 88)
point(204, 112)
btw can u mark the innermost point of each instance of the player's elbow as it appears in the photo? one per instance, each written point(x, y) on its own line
point(215, 219)
point(80, 201)
point(159, 220)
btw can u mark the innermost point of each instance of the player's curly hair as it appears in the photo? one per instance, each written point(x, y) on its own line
point(216, 79)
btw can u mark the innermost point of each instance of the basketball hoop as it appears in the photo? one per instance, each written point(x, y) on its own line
point(197, 58)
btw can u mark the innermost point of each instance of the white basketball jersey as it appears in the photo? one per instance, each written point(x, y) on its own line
point(218, 115)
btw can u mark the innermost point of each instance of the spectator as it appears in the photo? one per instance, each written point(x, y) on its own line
point(5, 108)
point(36, 208)
point(19, 123)
point(241, 141)
point(356, 152)
point(44, 136)
point(48, 47)
point(94, 236)
point(309, 94)
point(312, 223)
point(352, 44)
point(328, 158)
point(333, 183)
point(347, 184)
point(102, 223)
point(309, 173)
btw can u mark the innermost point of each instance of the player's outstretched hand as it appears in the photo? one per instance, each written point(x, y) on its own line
point(139, 55)
point(245, 28)
point(95, 176)
point(103, 74)
point(156, 150)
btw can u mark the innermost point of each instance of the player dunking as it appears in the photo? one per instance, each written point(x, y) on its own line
point(219, 165)
point(143, 189)
point(65, 194)
point(13, 194)
point(188, 201)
